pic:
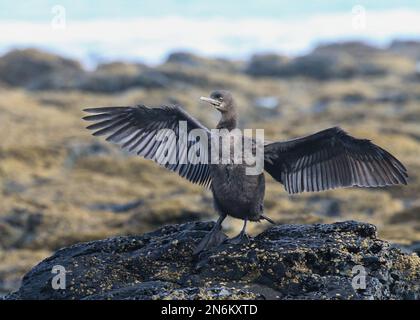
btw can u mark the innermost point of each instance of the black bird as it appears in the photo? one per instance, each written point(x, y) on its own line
point(325, 160)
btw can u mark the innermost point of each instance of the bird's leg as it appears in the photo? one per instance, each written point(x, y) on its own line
point(212, 239)
point(242, 237)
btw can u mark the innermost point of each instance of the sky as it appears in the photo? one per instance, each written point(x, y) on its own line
point(146, 31)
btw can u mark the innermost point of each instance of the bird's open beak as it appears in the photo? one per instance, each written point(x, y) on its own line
point(213, 102)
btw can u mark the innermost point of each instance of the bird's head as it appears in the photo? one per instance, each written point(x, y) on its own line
point(222, 100)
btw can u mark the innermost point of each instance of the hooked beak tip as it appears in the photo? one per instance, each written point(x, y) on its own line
point(213, 102)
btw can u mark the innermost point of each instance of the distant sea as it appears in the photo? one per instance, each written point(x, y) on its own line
point(146, 31)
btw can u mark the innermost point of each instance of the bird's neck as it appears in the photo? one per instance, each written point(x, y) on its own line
point(228, 121)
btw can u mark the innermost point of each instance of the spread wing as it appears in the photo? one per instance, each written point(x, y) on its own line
point(331, 159)
point(139, 130)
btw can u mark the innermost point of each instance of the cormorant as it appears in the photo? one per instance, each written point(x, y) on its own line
point(325, 160)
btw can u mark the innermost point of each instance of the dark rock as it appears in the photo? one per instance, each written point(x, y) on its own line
point(112, 79)
point(117, 207)
point(18, 228)
point(37, 70)
point(267, 65)
point(329, 61)
point(409, 215)
point(324, 67)
point(11, 187)
point(315, 66)
point(78, 150)
point(333, 209)
point(415, 247)
point(284, 262)
point(324, 207)
point(319, 67)
point(353, 98)
point(182, 76)
point(354, 48)
point(392, 97)
point(408, 248)
point(187, 59)
point(407, 48)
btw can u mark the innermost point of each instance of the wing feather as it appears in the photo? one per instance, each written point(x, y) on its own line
point(138, 130)
point(330, 159)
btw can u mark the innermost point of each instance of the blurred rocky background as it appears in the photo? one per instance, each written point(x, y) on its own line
point(59, 185)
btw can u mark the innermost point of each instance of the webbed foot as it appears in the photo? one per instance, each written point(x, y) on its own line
point(241, 238)
point(211, 240)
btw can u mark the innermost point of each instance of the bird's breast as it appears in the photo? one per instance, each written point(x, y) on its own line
point(237, 193)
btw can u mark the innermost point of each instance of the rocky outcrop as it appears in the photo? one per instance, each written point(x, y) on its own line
point(410, 49)
point(320, 65)
point(267, 65)
point(353, 48)
point(117, 76)
point(318, 261)
point(187, 59)
point(37, 70)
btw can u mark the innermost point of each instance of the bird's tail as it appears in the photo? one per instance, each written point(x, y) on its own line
point(268, 219)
